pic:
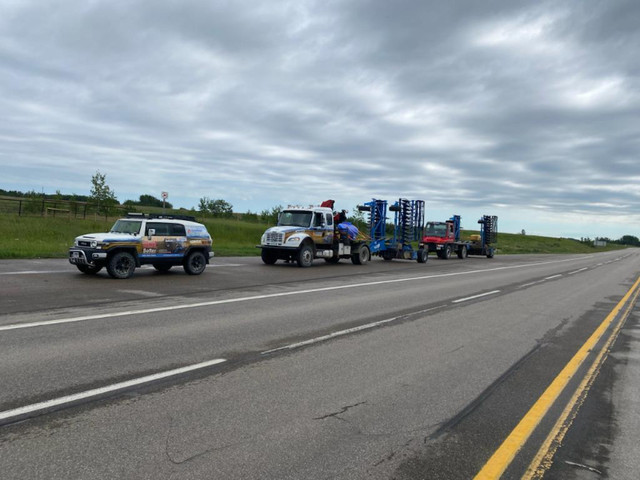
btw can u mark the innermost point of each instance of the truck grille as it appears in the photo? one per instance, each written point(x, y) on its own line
point(275, 238)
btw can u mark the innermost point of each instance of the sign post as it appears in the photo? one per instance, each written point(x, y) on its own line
point(165, 195)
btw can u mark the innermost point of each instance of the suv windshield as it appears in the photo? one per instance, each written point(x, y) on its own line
point(290, 218)
point(126, 226)
point(436, 229)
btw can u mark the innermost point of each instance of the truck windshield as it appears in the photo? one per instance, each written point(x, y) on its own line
point(291, 218)
point(126, 226)
point(436, 229)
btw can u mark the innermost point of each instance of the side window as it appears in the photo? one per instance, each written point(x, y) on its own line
point(162, 229)
point(329, 219)
point(177, 230)
point(317, 219)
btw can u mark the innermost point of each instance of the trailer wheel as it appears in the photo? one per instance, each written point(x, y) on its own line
point(490, 253)
point(305, 256)
point(463, 252)
point(422, 256)
point(362, 256)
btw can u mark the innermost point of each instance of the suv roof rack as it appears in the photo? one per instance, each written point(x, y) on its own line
point(169, 216)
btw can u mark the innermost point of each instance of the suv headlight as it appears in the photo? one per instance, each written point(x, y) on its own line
point(94, 244)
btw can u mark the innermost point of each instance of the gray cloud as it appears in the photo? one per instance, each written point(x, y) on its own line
point(510, 107)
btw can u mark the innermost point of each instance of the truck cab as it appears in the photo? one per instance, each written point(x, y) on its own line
point(303, 234)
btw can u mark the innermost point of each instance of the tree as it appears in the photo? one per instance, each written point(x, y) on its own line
point(217, 208)
point(629, 240)
point(101, 193)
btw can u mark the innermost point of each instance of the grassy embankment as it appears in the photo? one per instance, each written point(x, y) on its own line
point(38, 237)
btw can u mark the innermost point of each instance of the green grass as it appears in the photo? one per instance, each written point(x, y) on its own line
point(47, 237)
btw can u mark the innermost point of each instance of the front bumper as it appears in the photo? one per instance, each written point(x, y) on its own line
point(86, 256)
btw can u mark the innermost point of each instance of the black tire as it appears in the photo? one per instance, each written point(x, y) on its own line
point(422, 256)
point(162, 267)
point(490, 253)
point(195, 263)
point(268, 257)
point(305, 256)
point(121, 265)
point(446, 252)
point(362, 256)
point(332, 260)
point(463, 252)
point(388, 255)
point(89, 269)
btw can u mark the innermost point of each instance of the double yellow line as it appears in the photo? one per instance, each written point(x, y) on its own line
point(505, 454)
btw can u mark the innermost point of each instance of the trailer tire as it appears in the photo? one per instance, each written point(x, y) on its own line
point(463, 252)
point(490, 253)
point(422, 256)
point(362, 256)
point(305, 256)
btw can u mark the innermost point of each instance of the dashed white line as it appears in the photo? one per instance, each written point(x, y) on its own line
point(345, 332)
point(56, 402)
point(16, 326)
point(578, 271)
point(553, 276)
point(475, 296)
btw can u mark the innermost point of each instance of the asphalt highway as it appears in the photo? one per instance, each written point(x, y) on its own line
point(520, 366)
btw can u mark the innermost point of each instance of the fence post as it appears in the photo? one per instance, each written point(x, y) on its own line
point(19, 208)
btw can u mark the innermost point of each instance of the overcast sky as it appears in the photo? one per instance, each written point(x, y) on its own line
point(528, 110)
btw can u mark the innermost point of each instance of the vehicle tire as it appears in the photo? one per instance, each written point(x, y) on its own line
point(89, 269)
point(388, 255)
point(490, 253)
point(305, 256)
point(463, 252)
point(332, 260)
point(121, 265)
point(422, 256)
point(446, 252)
point(195, 263)
point(268, 257)
point(162, 267)
point(362, 256)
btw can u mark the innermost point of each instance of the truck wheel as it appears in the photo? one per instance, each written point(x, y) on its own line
point(195, 263)
point(305, 256)
point(490, 253)
point(446, 252)
point(462, 252)
point(422, 256)
point(362, 256)
point(121, 265)
point(89, 269)
point(268, 257)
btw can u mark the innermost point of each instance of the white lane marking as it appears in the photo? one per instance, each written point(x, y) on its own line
point(475, 296)
point(99, 316)
point(531, 283)
point(553, 276)
point(37, 272)
point(346, 332)
point(578, 271)
point(599, 265)
point(35, 407)
point(33, 272)
point(142, 293)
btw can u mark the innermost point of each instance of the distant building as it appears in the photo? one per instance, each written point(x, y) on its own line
point(599, 243)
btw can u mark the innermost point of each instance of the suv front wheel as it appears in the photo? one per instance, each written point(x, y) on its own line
point(121, 265)
point(195, 263)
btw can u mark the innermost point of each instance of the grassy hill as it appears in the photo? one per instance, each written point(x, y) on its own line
point(50, 237)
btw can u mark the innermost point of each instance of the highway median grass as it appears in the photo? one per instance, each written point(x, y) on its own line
point(51, 237)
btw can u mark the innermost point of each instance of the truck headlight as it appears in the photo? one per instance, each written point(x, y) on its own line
point(293, 239)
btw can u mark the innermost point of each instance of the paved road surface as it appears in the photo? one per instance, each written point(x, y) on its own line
point(388, 370)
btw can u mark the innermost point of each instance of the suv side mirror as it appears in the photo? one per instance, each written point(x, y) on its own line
point(151, 232)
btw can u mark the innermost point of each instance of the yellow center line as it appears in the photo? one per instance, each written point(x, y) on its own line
point(505, 454)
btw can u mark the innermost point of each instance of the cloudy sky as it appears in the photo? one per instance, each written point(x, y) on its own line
point(528, 110)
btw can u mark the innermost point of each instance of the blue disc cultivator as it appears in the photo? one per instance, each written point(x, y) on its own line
point(408, 228)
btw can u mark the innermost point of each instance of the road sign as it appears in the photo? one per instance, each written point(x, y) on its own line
point(165, 195)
